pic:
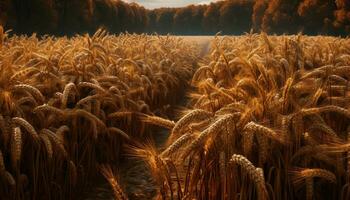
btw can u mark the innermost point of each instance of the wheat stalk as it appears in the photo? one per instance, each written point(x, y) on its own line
point(2, 163)
point(73, 174)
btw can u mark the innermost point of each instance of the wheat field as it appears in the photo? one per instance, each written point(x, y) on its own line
point(69, 104)
point(266, 117)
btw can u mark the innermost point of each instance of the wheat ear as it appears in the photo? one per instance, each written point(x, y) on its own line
point(66, 93)
point(47, 144)
point(25, 124)
point(34, 91)
point(16, 146)
point(190, 117)
point(112, 180)
point(10, 179)
point(165, 123)
point(255, 174)
point(214, 128)
point(331, 108)
point(177, 144)
point(267, 132)
point(119, 132)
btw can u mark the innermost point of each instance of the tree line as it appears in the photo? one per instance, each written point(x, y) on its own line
point(312, 17)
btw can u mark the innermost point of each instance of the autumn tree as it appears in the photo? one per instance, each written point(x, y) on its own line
point(314, 14)
point(164, 20)
point(7, 15)
point(33, 16)
point(235, 17)
point(182, 20)
point(211, 17)
point(75, 15)
point(280, 17)
point(342, 17)
point(106, 15)
point(230, 16)
point(259, 9)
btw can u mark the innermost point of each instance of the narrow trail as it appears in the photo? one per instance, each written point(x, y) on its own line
point(202, 41)
point(133, 173)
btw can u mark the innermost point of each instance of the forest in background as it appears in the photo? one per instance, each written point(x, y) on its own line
point(67, 17)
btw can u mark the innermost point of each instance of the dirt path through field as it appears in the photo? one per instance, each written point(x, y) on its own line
point(134, 175)
point(202, 41)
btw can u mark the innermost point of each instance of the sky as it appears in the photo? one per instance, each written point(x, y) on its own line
point(168, 3)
